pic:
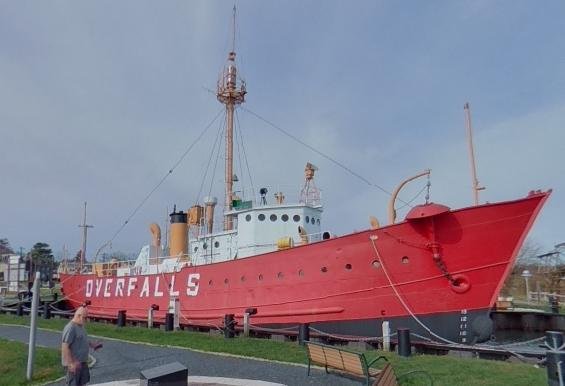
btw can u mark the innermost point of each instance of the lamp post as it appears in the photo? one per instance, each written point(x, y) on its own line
point(526, 275)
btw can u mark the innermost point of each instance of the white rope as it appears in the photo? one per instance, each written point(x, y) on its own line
point(373, 238)
point(267, 329)
point(347, 338)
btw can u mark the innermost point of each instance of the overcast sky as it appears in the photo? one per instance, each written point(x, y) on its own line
point(99, 99)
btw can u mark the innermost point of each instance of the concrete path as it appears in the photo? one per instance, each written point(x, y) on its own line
point(122, 361)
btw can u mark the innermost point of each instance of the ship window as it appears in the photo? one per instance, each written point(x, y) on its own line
point(242, 278)
point(260, 276)
point(248, 217)
point(296, 218)
point(210, 282)
point(216, 244)
point(205, 246)
point(284, 217)
point(226, 281)
point(307, 219)
point(313, 221)
point(405, 260)
point(348, 266)
point(324, 269)
point(376, 264)
point(273, 217)
point(280, 275)
point(300, 272)
point(196, 249)
point(261, 217)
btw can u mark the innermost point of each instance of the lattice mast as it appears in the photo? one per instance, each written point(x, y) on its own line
point(230, 92)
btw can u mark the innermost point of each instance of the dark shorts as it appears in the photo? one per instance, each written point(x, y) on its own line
point(80, 377)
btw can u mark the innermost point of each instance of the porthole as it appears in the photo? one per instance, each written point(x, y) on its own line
point(348, 267)
point(261, 217)
point(312, 221)
point(248, 217)
point(260, 276)
point(280, 275)
point(324, 269)
point(242, 279)
point(216, 244)
point(376, 264)
point(296, 218)
point(196, 249)
point(300, 272)
point(307, 219)
point(226, 281)
point(273, 217)
point(284, 217)
point(210, 282)
point(405, 260)
point(204, 246)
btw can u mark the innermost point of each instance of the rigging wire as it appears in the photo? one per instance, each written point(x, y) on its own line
point(218, 142)
point(240, 164)
point(409, 202)
point(223, 130)
point(245, 155)
point(320, 153)
point(176, 164)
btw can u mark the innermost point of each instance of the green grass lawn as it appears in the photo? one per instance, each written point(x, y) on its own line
point(445, 370)
point(13, 364)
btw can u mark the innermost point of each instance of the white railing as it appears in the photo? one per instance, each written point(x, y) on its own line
point(121, 267)
point(544, 296)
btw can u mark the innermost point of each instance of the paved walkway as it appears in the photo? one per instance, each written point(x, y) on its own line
point(123, 361)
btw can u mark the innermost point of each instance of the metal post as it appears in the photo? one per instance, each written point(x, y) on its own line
point(33, 327)
point(229, 326)
point(121, 318)
point(246, 324)
point(555, 358)
point(303, 333)
point(46, 311)
point(150, 317)
point(386, 336)
point(169, 321)
point(404, 346)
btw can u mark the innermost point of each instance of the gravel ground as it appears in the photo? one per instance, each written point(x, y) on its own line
point(119, 360)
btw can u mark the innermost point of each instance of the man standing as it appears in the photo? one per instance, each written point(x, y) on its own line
point(74, 348)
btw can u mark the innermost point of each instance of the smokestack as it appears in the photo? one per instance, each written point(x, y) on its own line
point(178, 244)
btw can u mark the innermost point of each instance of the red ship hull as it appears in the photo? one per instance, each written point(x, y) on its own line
point(446, 270)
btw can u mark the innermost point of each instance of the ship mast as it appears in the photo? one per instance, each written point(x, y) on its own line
point(230, 92)
point(476, 186)
point(84, 233)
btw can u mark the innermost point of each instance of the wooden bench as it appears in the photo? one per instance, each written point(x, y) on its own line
point(387, 377)
point(343, 360)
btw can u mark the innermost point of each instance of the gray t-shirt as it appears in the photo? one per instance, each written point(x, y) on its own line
point(75, 336)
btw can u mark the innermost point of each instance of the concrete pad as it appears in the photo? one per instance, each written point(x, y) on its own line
point(201, 381)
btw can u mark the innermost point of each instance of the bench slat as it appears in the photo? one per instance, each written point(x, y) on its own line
point(387, 378)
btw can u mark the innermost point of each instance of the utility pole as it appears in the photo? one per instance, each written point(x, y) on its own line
point(84, 234)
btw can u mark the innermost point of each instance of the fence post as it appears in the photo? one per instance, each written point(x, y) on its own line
point(555, 358)
point(386, 336)
point(303, 333)
point(404, 346)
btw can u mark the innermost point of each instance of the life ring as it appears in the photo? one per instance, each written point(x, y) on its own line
point(460, 283)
